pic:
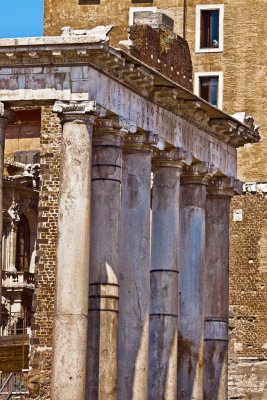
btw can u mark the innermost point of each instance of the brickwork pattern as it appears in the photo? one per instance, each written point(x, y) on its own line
point(248, 296)
point(163, 52)
point(41, 342)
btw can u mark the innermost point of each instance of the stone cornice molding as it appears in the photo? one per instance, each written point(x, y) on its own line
point(82, 49)
point(174, 157)
point(224, 186)
point(255, 187)
point(200, 172)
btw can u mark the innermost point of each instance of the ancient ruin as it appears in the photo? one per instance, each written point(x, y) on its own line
point(119, 312)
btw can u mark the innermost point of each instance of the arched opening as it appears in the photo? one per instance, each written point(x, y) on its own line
point(5, 241)
point(23, 245)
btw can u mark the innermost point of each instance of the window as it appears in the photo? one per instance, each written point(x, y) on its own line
point(208, 86)
point(88, 2)
point(209, 28)
point(142, 1)
point(23, 245)
point(208, 89)
point(133, 10)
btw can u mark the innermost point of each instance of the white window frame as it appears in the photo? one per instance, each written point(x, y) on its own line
point(219, 74)
point(200, 8)
point(132, 10)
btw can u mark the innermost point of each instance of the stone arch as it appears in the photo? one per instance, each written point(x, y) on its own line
point(32, 221)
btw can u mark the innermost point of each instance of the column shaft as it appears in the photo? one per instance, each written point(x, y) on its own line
point(192, 257)
point(72, 275)
point(104, 261)
point(134, 274)
point(216, 295)
point(164, 284)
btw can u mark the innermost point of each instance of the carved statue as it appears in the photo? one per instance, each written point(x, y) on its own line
point(13, 211)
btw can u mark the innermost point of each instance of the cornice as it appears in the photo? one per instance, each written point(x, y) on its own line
point(83, 49)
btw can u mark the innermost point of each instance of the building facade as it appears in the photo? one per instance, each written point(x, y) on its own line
point(227, 41)
point(108, 121)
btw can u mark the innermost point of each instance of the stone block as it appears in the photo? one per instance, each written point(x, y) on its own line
point(156, 20)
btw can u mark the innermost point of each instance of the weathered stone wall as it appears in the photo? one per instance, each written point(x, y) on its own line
point(41, 341)
point(248, 295)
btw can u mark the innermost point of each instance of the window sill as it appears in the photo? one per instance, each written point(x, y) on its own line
point(209, 50)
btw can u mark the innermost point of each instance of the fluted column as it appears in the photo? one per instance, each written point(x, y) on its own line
point(72, 274)
point(163, 337)
point(219, 193)
point(191, 283)
point(5, 116)
point(104, 261)
point(134, 276)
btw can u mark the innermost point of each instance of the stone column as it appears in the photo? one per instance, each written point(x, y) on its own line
point(219, 193)
point(134, 276)
point(191, 283)
point(72, 274)
point(104, 261)
point(163, 337)
point(5, 116)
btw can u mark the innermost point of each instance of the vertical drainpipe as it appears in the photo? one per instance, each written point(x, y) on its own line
point(184, 20)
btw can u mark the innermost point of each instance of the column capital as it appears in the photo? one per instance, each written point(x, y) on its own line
point(126, 125)
point(6, 115)
point(224, 186)
point(199, 172)
point(139, 141)
point(174, 157)
point(76, 110)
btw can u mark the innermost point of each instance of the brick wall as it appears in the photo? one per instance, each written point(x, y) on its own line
point(248, 299)
point(163, 51)
point(41, 341)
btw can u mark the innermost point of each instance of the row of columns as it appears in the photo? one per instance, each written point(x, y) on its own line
point(148, 319)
